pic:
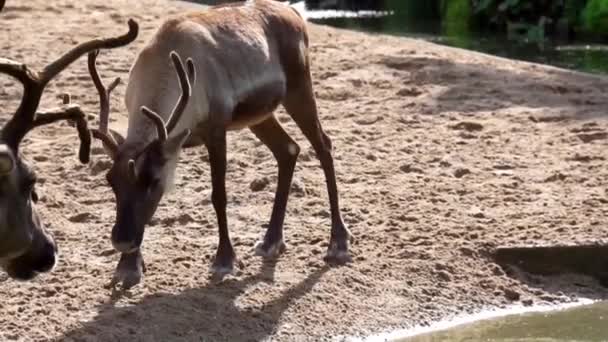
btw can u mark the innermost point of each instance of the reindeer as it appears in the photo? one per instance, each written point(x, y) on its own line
point(249, 58)
point(26, 249)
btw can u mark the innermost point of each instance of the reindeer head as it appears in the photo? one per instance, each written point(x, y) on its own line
point(139, 173)
point(25, 247)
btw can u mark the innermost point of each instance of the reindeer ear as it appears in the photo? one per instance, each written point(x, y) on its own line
point(7, 160)
point(173, 144)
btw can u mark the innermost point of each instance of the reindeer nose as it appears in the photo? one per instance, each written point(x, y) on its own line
point(48, 257)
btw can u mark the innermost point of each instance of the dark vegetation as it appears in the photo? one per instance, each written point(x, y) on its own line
point(519, 19)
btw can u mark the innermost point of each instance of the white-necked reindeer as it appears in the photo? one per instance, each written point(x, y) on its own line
point(249, 57)
point(25, 247)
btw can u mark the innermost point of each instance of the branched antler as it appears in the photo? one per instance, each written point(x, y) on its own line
point(185, 83)
point(103, 133)
point(34, 83)
point(72, 113)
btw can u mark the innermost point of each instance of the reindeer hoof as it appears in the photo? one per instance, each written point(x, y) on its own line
point(129, 271)
point(269, 251)
point(336, 255)
point(337, 252)
point(222, 266)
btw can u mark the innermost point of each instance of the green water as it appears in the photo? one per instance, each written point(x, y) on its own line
point(585, 323)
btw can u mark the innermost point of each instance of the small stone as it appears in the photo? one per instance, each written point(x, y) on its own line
point(82, 217)
point(259, 184)
point(497, 270)
point(297, 188)
point(478, 214)
point(558, 176)
point(444, 275)
point(407, 168)
point(461, 172)
point(41, 158)
point(527, 302)
point(511, 295)
point(467, 126)
point(466, 251)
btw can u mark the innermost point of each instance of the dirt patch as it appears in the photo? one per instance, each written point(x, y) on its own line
point(427, 197)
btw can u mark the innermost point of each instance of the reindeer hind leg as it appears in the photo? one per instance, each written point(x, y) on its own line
point(301, 105)
point(285, 151)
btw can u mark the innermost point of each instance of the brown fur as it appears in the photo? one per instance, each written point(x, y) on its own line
point(250, 57)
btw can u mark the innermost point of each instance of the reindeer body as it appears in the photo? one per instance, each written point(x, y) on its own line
point(244, 60)
point(237, 53)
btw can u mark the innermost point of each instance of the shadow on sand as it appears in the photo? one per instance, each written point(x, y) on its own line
point(474, 87)
point(209, 313)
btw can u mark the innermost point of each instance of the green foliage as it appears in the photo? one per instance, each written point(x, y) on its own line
point(534, 20)
point(456, 21)
point(595, 16)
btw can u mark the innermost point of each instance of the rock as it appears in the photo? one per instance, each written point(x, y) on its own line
point(497, 270)
point(82, 217)
point(527, 302)
point(41, 158)
point(511, 295)
point(467, 251)
point(461, 172)
point(467, 126)
point(444, 276)
point(410, 92)
point(259, 184)
point(371, 157)
point(478, 214)
point(589, 137)
point(297, 188)
point(558, 176)
point(407, 168)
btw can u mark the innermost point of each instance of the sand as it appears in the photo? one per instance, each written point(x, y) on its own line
point(441, 155)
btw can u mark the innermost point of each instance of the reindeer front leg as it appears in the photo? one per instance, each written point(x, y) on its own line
point(216, 146)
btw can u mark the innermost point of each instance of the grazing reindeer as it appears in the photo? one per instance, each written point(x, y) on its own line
point(25, 247)
point(249, 58)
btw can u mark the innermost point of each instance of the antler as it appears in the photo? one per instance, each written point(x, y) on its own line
point(34, 83)
point(104, 105)
point(185, 85)
point(74, 113)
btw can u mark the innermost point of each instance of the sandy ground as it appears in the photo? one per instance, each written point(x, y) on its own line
point(441, 155)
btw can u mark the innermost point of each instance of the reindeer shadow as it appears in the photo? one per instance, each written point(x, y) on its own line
point(209, 313)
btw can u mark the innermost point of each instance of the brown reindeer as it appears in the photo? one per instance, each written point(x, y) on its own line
point(249, 58)
point(26, 249)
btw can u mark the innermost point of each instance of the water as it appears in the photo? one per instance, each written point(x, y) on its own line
point(584, 323)
point(583, 54)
